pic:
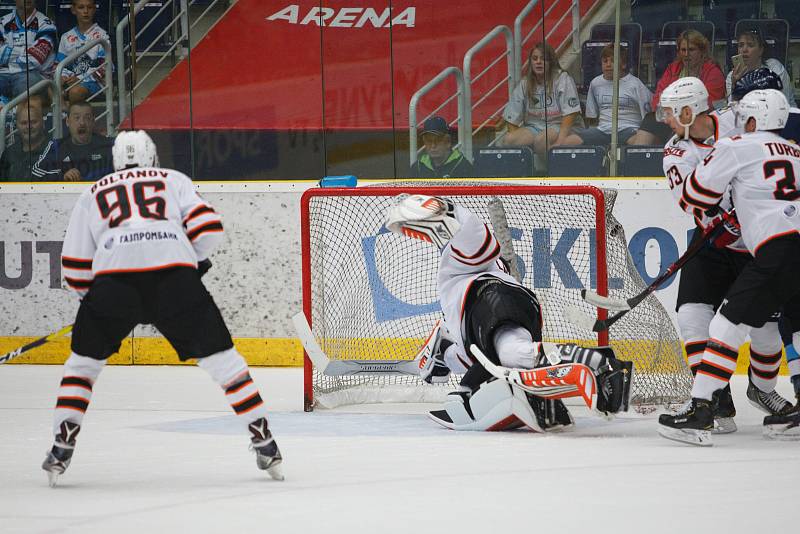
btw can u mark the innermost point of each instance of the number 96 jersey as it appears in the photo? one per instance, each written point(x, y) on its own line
point(136, 220)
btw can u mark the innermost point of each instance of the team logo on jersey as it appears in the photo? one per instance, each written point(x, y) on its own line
point(109, 243)
point(346, 17)
point(790, 210)
point(559, 372)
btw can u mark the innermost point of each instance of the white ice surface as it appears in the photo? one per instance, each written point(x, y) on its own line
point(159, 451)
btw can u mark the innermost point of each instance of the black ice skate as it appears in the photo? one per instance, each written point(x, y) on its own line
point(724, 411)
point(693, 424)
point(770, 403)
point(268, 457)
point(58, 458)
point(783, 427)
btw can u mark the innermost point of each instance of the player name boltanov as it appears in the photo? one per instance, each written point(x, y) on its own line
point(783, 149)
point(147, 236)
point(127, 175)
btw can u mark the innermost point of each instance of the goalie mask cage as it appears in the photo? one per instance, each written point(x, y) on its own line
point(369, 294)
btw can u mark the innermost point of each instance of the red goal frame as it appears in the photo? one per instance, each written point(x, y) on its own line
point(487, 189)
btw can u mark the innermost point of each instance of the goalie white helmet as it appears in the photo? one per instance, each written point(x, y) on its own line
point(768, 107)
point(134, 149)
point(686, 92)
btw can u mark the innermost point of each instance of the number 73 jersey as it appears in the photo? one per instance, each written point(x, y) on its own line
point(762, 169)
point(136, 220)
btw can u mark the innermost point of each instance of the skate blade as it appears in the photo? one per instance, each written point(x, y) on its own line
point(441, 417)
point(276, 471)
point(701, 438)
point(782, 432)
point(52, 478)
point(724, 425)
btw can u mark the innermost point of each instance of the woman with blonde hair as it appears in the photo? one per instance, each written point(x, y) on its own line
point(544, 105)
point(693, 59)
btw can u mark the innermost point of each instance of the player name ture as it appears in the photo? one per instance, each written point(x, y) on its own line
point(782, 149)
point(127, 175)
point(147, 236)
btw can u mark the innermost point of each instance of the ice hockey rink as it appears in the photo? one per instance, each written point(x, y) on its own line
point(160, 452)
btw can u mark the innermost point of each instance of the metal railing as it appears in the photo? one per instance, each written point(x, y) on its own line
point(180, 29)
point(463, 126)
point(469, 79)
point(38, 87)
point(109, 89)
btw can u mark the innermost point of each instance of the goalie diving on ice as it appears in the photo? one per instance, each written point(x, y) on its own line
point(511, 378)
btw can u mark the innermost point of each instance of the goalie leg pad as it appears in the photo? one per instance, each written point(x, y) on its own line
point(496, 405)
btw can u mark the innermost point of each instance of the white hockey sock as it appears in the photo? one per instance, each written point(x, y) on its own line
point(719, 357)
point(693, 321)
point(75, 392)
point(230, 371)
point(765, 356)
point(515, 347)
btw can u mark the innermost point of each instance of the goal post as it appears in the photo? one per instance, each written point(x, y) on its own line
point(370, 295)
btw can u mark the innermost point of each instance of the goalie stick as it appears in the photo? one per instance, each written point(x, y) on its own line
point(577, 317)
point(497, 216)
point(330, 367)
point(37, 343)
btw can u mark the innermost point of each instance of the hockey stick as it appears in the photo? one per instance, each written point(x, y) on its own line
point(576, 316)
point(497, 216)
point(330, 367)
point(37, 343)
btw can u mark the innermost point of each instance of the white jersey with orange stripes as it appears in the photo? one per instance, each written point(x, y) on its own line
point(682, 156)
point(763, 171)
point(135, 220)
point(473, 252)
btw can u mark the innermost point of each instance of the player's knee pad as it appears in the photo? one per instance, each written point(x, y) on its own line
point(693, 321)
point(83, 366)
point(724, 331)
point(766, 339)
point(224, 367)
point(515, 347)
point(496, 405)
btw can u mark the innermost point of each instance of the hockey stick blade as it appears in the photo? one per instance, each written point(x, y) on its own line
point(33, 344)
point(580, 319)
point(330, 367)
point(607, 303)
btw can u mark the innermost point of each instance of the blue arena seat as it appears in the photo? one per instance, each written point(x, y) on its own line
point(726, 13)
point(577, 161)
point(65, 20)
point(642, 161)
point(652, 14)
point(630, 32)
point(664, 53)
point(774, 31)
point(504, 162)
point(788, 10)
point(673, 28)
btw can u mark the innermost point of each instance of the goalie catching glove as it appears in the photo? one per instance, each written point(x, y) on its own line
point(423, 217)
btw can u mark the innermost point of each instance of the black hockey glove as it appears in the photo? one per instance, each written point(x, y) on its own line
point(203, 267)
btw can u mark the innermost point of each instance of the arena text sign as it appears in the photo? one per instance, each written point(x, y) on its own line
point(346, 17)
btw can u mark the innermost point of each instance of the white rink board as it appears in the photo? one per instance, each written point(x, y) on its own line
point(256, 277)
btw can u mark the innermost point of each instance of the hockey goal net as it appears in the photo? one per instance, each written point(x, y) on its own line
point(371, 295)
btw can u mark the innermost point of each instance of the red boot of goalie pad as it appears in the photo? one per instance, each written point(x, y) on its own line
point(560, 382)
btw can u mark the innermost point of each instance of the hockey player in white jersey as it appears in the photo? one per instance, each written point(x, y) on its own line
point(706, 278)
point(137, 243)
point(487, 308)
point(762, 169)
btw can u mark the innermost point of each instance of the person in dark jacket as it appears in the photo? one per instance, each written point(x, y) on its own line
point(439, 159)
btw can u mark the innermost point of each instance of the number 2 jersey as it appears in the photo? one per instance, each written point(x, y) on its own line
point(762, 170)
point(135, 220)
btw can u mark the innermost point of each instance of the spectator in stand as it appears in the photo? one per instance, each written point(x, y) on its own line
point(27, 49)
point(82, 155)
point(752, 48)
point(84, 77)
point(22, 161)
point(694, 59)
point(634, 104)
point(544, 106)
point(439, 159)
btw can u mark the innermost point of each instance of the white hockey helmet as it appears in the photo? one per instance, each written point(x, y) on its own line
point(134, 148)
point(685, 92)
point(768, 107)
